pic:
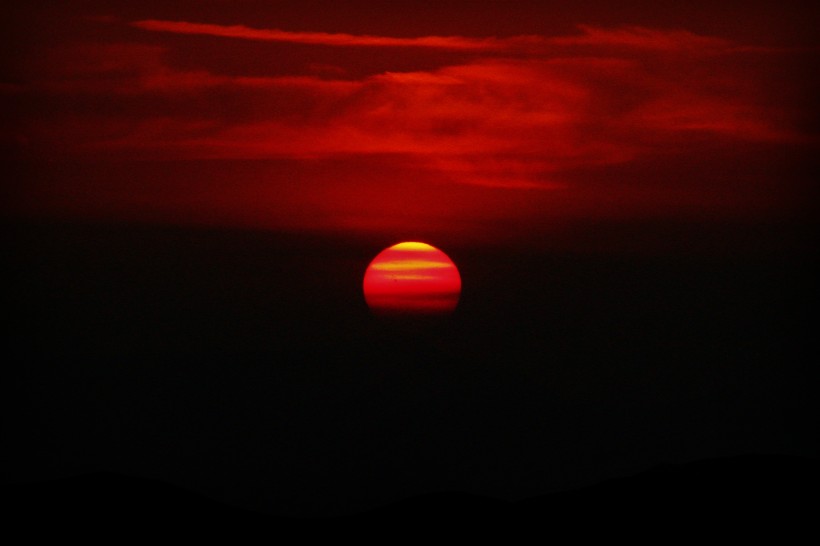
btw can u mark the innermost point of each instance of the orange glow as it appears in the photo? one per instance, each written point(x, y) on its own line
point(412, 279)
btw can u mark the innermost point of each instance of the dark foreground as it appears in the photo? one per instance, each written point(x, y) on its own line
point(240, 371)
point(742, 496)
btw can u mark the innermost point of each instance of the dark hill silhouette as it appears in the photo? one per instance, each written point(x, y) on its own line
point(753, 490)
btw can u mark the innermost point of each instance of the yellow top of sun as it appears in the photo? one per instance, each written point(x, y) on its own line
point(412, 246)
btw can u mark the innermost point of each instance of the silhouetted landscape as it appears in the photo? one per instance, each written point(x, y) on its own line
point(745, 495)
point(241, 366)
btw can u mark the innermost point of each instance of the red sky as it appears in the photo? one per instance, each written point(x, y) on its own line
point(487, 122)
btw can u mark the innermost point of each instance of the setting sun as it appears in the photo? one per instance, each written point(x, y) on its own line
point(412, 278)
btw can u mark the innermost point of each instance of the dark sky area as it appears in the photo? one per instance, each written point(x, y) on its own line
point(194, 189)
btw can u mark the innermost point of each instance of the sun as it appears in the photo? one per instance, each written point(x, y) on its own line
point(412, 278)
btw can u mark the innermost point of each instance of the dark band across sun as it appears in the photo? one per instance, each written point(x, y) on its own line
point(412, 278)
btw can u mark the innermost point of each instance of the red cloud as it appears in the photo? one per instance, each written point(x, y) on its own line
point(644, 38)
point(509, 121)
point(315, 38)
point(634, 37)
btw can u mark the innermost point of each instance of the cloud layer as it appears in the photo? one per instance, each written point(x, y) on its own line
point(305, 129)
point(517, 112)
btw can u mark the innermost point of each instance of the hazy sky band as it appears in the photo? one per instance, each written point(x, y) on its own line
point(354, 127)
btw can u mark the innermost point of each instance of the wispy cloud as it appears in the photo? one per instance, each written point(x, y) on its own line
point(640, 37)
point(498, 119)
point(320, 38)
point(589, 35)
